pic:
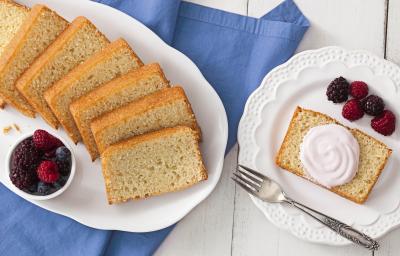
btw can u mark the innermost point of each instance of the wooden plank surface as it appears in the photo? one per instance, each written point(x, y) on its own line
point(207, 230)
point(353, 24)
point(228, 223)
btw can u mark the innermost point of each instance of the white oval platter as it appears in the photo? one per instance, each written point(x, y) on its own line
point(85, 200)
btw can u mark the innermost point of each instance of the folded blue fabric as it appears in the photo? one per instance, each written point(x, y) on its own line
point(233, 52)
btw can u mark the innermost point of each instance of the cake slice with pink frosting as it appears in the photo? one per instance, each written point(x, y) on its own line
point(346, 161)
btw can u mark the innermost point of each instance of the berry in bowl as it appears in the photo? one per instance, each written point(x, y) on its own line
point(40, 166)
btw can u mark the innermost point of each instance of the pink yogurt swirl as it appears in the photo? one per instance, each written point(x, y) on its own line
point(330, 155)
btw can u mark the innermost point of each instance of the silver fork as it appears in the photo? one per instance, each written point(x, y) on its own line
point(269, 191)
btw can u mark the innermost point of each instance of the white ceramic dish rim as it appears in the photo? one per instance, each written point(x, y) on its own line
point(223, 123)
point(37, 197)
point(274, 209)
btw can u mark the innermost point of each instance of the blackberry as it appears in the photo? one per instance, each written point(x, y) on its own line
point(373, 105)
point(338, 90)
point(26, 156)
point(64, 168)
point(22, 178)
point(24, 162)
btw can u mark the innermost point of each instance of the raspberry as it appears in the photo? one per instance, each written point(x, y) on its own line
point(373, 105)
point(358, 89)
point(45, 141)
point(48, 171)
point(352, 110)
point(338, 90)
point(385, 123)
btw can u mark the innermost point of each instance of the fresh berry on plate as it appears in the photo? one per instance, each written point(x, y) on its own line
point(24, 161)
point(63, 154)
point(338, 90)
point(60, 182)
point(64, 167)
point(22, 178)
point(44, 188)
point(352, 110)
point(385, 123)
point(41, 164)
point(373, 105)
point(48, 171)
point(63, 160)
point(358, 89)
point(45, 141)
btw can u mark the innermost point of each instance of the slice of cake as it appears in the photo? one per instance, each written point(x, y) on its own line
point(115, 60)
point(373, 155)
point(77, 43)
point(12, 16)
point(37, 32)
point(152, 164)
point(117, 93)
point(166, 108)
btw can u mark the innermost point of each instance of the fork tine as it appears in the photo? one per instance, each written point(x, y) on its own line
point(244, 186)
point(247, 182)
point(253, 172)
point(250, 177)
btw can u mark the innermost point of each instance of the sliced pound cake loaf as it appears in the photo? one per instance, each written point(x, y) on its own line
point(166, 108)
point(373, 154)
point(38, 31)
point(117, 93)
point(12, 15)
point(115, 60)
point(152, 164)
point(77, 43)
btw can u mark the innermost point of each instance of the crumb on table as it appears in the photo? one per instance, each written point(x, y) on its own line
point(17, 127)
point(7, 129)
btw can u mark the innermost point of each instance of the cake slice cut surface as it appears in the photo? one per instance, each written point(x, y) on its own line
point(152, 164)
point(373, 155)
point(115, 60)
point(166, 108)
point(12, 15)
point(114, 94)
point(37, 32)
point(76, 44)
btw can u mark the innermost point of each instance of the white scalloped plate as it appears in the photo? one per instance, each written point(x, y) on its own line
point(303, 81)
point(85, 199)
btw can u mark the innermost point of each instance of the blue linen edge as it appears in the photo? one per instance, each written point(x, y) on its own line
point(289, 27)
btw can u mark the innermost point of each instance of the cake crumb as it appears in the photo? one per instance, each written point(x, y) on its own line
point(7, 129)
point(17, 127)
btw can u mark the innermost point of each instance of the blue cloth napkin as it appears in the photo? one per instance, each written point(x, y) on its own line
point(233, 52)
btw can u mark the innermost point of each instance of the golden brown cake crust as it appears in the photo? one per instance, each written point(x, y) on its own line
point(15, 4)
point(51, 95)
point(23, 83)
point(140, 139)
point(286, 142)
point(102, 93)
point(13, 48)
point(146, 103)
point(22, 8)
point(104, 90)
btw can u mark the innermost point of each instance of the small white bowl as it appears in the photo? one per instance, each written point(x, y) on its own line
point(37, 197)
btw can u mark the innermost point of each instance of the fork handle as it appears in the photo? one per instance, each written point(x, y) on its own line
point(339, 227)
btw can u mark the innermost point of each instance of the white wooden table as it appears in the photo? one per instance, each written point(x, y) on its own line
point(228, 223)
